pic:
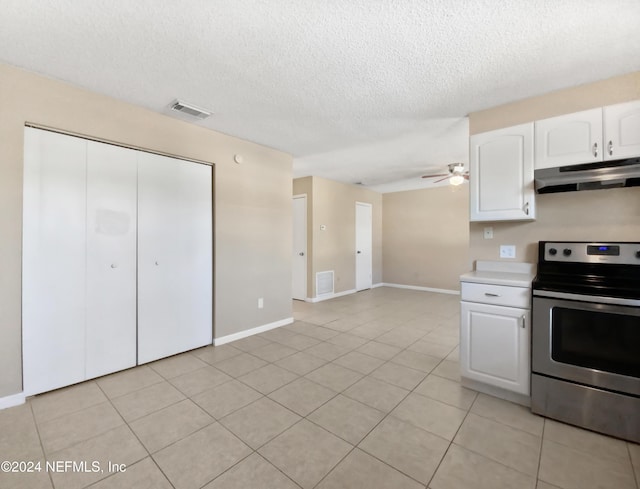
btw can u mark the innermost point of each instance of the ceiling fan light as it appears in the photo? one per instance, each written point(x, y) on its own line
point(456, 180)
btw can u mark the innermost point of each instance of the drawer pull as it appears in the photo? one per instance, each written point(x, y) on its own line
point(489, 294)
point(522, 321)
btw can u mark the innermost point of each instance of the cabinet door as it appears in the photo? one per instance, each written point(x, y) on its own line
point(174, 256)
point(53, 261)
point(501, 175)
point(111, 259)
point(622, 130)
point(494, 345)
point(571, 139)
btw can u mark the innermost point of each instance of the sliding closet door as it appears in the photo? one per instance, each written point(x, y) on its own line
point(53, 270)
point(111, 259)
point(174, 256)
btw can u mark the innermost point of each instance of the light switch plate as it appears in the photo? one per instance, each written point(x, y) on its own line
point(507, 251)
point(488, 232)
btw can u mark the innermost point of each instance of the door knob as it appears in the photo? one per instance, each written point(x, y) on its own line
point(114, 265)
point(359, 252)
point(157, 264)
point(301, 253)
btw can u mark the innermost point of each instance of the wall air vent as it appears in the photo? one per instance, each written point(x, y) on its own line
point(189, 110)
point(324, 283)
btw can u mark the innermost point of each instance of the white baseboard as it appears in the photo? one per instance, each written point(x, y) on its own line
point(250, 332)
point(12, 400)
point(424, 289)
point(326, 297)
point(375, 286)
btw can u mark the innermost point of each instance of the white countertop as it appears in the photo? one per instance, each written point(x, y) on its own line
point(513, 274)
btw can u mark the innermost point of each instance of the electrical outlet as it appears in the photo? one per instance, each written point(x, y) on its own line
point(507, 251)
point(488, 232)
point(260, 303)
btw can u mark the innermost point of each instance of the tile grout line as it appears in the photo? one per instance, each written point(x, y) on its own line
point(633, 468)
point(387, 415)
point(44, 454)
point(144, 447)
point(544, 427)
point(320, 341)
point(320, 406)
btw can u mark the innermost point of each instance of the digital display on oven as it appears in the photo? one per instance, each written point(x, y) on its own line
point(603, 250)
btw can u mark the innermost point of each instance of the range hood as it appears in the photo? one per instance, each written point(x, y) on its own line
point(591, 176)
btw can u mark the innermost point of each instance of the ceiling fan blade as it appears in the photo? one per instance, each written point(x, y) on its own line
point(437, 175)
point(442, 179)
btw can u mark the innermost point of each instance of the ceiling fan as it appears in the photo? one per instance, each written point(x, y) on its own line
point(456, 175)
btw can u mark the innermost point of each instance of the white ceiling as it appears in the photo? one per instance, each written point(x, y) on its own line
point(371, 91)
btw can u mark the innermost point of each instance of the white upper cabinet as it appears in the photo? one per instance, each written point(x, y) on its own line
point(590, 136)
point(622, 130)
point(570, 139)
point(501, 175)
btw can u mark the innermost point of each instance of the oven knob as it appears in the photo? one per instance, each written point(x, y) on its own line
point(566, 252)
point(638, 254)
point(553, 251)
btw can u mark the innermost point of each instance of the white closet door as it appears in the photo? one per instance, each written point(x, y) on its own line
point(174, 256)
point(111, 259)
point(53, 264)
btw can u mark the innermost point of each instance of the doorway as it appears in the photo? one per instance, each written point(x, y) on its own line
point(299, 249)
point(364, 246)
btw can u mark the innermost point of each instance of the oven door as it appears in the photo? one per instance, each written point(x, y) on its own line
point(587, 342)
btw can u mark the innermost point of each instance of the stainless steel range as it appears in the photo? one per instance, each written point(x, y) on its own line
point(585, 352)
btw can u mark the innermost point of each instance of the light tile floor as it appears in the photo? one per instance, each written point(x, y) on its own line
point(360, 392)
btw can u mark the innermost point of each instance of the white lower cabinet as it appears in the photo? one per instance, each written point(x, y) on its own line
point(117, 259)
point(494, 345)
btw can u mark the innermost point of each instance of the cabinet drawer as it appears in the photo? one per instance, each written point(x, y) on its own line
point(501, 295)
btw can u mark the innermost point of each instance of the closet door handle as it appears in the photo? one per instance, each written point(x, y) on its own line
point(595, 149)
point(610, 147)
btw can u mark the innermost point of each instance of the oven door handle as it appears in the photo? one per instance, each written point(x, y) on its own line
point(596, 299)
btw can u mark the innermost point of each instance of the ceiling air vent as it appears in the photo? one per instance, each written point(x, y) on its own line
point(189, 110)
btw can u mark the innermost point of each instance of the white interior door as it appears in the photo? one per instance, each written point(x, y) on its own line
point(111, 259)
point(364, 238)
point(299, 258)
point(53, 261)
point(174, 256)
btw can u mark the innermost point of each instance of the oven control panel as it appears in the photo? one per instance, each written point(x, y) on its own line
point(584, 252)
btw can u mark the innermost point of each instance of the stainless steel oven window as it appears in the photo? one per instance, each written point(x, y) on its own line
point(595, 339)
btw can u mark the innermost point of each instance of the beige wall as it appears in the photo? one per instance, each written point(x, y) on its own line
point(612, 214)
point(333, 204)
point(425, 237)
point(252, 208)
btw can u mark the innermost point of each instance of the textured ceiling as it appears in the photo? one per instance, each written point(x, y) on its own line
point(372, 91)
